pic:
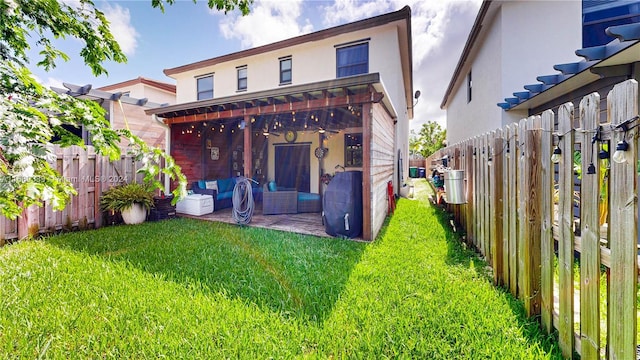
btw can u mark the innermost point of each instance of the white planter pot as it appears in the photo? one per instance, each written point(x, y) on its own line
point(135, 214)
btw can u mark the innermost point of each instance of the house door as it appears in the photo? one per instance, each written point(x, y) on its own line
point(293, 166)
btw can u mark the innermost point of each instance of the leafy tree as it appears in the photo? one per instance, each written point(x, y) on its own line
point(430, 139)
point(31, 115)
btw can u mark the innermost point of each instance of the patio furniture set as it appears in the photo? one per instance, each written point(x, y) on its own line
point(211, 195)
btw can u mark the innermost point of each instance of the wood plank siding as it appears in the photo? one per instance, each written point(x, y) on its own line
point(139, 123)
point(382, 164)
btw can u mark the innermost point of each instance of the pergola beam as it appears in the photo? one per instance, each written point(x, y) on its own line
point(309, 105)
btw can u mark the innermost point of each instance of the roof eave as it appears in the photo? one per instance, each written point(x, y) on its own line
point(373, 78)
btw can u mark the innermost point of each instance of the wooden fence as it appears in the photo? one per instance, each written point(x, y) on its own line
point(536, 221)
point(90, 175)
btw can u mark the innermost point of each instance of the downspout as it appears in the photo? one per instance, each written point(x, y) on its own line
point(167, 146)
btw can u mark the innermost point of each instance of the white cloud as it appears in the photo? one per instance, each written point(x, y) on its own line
point(269, 21)
point(344, 11)
point(439, 31)
point(121, 28)
point(50, 82)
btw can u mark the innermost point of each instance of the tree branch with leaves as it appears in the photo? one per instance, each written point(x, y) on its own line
point(430, 139)
point(32, 115)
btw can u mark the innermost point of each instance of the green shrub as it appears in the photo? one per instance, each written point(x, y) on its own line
point(121, 197)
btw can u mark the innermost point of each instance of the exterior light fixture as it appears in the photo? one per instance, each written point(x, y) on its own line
point(555, 158)
point(591, 169)
point(621, 155)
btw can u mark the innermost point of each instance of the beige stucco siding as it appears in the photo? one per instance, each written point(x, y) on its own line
point(512, 53)
point(311, 62)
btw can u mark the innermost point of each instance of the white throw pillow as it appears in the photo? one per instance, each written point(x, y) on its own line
point(211, 185)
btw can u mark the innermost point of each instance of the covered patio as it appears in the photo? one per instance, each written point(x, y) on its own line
point(298, 137)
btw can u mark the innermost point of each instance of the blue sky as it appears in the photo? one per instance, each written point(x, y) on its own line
point(189, 32)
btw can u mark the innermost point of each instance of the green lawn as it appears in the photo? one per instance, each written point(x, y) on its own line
point(189, 289)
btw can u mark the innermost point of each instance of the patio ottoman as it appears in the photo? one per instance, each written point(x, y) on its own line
point(195, 204)
point(309, 202)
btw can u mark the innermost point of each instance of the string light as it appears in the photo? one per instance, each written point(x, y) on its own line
point(555, 158)
point(621, 155)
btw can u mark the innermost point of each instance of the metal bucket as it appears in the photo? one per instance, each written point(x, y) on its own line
point(454, 187)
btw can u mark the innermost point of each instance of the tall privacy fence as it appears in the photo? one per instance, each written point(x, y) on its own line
point(90, 175)
point(562, 237)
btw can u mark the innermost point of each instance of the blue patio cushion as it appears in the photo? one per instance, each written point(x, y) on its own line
point(202, 184)
point(272, 186)
point(225, 185)
point(308, 196)
point(225, 195)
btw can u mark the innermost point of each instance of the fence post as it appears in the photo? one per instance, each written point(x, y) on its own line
point(622, 325)
point(486, 223)
point(590, 230)
point(469, 226)
point(531, 246)
point(497, 153)
point(565, 221)
point(521, 190)
point(477, 178)
point(512, 213)
point(547, 242)
point(97, 189)
point(506, 193)
point(482, 194)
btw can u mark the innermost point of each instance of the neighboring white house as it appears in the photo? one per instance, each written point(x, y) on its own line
point(520, 59)
point(305, 106)
point(510, 44)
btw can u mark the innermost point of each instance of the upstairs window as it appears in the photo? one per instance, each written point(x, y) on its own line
point(352, 60)
point(242, 78)
point(205, 87)
point(285, 70)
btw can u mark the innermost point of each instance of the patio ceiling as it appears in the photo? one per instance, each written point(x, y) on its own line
point(333, 104)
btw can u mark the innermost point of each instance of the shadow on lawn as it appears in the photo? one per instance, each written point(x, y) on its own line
point(296, 275)
point(460, 254)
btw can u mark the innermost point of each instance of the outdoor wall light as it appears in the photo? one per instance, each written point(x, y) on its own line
point(621, 155)
point(555, 158)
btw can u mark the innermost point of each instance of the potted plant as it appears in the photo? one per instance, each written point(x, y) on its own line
point(131, 200)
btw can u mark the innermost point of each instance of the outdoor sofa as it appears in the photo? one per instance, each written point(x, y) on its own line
point(222, 191)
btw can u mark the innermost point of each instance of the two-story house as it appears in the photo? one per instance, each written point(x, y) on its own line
point(291, 111)
point(510, 43)
point(516, 44)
